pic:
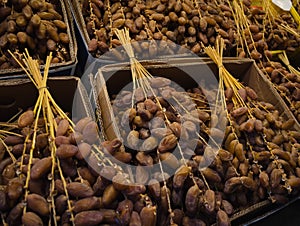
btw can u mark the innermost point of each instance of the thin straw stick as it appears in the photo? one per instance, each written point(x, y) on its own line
point(46, 106)
point(216, 54)
point(140, 76)
point(283, 57)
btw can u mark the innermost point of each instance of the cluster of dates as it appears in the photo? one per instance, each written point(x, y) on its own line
point(189, 24)
point(83, 181)
point(286, 83)
point(73, 185)
point(268, 152)
point(42, 185)
point(266, 31)
point(258, 159)
point(36, 25)
point(186, 23)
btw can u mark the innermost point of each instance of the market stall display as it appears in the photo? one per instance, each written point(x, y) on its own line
point(252, 147)
point(164, 137)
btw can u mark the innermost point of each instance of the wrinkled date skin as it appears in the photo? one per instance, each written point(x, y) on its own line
point(191, 199)
point(92, 217)
point(148, 215)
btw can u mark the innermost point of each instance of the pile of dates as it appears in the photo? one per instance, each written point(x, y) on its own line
point(83, 181)
point(266, 31)
point(286, 83)
point(265, 149)
point(36, 25)
point(41, 185)
point(187, 23)
point(258, 159)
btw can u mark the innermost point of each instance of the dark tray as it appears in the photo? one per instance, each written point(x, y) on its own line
point(287, 214)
